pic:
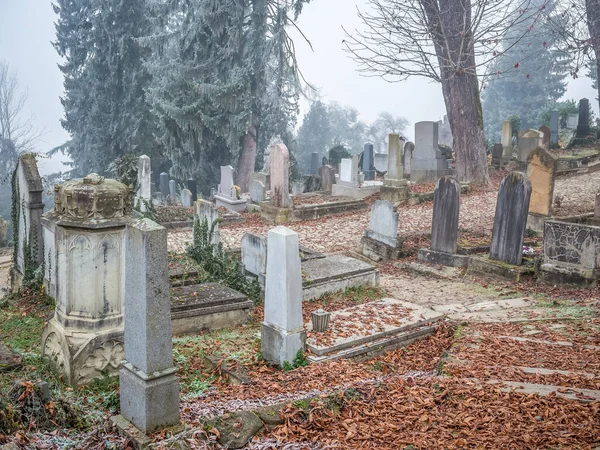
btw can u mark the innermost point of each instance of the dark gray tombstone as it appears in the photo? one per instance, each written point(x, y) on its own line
point(511, 219)
point(192, 186)
point(444, 224)
point(497, 153)
point(583, 126)
point(554, 119)
point(314, 163)
point(368, 166)
point(164, 185)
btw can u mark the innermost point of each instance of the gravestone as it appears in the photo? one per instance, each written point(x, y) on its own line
point(380, 162)
point(428, 163)
point(444, 226)
point(445, 132)
point(546, 137)
point(173, 190)
point(554, 125)
point(144, 181)
point(510, 220)
point(186, 198)
point(380, 240)
point(395, 187)
point(264, 178)
point(541, 171)
point(327, 177)
point(257, 191)
point(497, 155)
point(314, 163)
point(192, 186)
point(597, 205)
point(572, 121)
point(280, 176)
point(368, 167)
point(29, 187)
point(297, 187)
point(346, 170)
point(227, 194)
point(164, 185)
point(148, 386)
point(409, 148)
point(282, 332)
point(506, 139)
point(528, 142)
point(254, 256)
point(583, 124)
point(205, 210)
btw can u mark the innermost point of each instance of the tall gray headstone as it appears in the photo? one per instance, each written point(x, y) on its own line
point(314, 163)
point(173, 190)
point(554, 124)
point(186, 198)
point(395, 169)
point(583, 125)
point(428, 163)
point(164, 185)
point(510, 220)
point(257, 191)
point(368, 166)
point(144, 179)
point(282, 332)
point(327, 177)
point(205, 210)
point(280, 176)
point(149, 388)
point(193, 187)
point(506, 139)
point(409, 148)
point(444, 224)
point(383, 225)
point(226, 186)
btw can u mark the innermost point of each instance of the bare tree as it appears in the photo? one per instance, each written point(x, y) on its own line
point(450, 42)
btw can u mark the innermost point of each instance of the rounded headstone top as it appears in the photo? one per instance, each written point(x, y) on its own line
point(92, 198)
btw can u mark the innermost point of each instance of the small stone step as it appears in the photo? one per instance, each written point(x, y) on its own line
point(577, 394)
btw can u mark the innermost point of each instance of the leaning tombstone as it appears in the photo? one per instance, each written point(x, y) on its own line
point(444, 226)
point(282, 331)
point(380, 240)
point(144, 181)
point(227, 195)
point(541, 171)
point(148, 385)
point(278, 208)
point(29, 240)
point(395, 187)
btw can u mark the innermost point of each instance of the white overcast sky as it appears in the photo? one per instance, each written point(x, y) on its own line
point(27, 29)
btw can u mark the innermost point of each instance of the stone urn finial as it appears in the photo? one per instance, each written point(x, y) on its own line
point(320, 320)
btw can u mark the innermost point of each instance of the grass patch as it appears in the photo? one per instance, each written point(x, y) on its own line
point(564, 308)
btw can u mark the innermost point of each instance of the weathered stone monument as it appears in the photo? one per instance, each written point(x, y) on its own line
point(572, 121)
point(227, 195)
point(164, 185)
point(444, 226)
point(409, 148)
point(282, 332)
point(144, 181)
point(314, 163)
point(264, 178)
point(528, 142)
point(380, 240)
point(193, 187)
point(498, 159)
point(368, 166)
point(327, 177)
point(597, 205)
point(173, 190)
point(254, 256)
point(27, 185)
point(545, 130)
point(85, 244)
point(506, 139)
point(277, 209)
point(583, 124)
point(205, 210)
point(395, 187)
point(149, 388)
point(554, 126)
point(257, 191)
point(445, 132)
point(541, 171)
point(428, 163)
point(186, 198)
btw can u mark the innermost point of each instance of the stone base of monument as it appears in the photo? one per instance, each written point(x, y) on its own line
point(378, 251)
point(208, 306)
point(343, 190)
point(428, 175)
point(395, 194)
point(318, 210)
point(385, 324)
point(281, 346)
point(273, 214)
point(535, 222)
point(556, 275)
point(82, 357)
point(442, 258)
point(334, 273)
point(231, 204)
point(483, 266)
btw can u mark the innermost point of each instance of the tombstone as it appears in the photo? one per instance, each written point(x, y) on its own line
point(409, 148)
point(148, 386)
point(368, 167)
point(380, 240)
point(186, 198)
point(395, 187)
point(205, 210)
point(444, 226)
point(597, 205)
point(192, 186)
point(428, 163)
point(554, 125)
point(583, 124)
point(86, 235)
point(541, 171)
point(445, 132)
point(572, 121)
point(280, 176)
point(254, 256)
point(227, 194)
point(346, 170)
point(546, 136)
point(297, 187)
point(497, 155)
point(510, 220)
point(327, 177)
point(173, 190)
point(164, 185)
point(506, 139)
point(282, 332)
point(314, 163)
point(380, 162)
point(257, 191)
point(264, 178)
point(144, 181)
point(528, 142)
point(30, 237)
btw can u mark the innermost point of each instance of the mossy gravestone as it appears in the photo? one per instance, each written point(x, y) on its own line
point(444, 228)
point(510, 219)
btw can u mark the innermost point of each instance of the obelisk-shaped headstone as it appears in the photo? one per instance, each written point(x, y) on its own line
point(368, 163)
point(583, 126)
point(554, 123)
point(395, 169)
point(506, 139)
point(444, 224)
point(280, 176)
point(314, 163)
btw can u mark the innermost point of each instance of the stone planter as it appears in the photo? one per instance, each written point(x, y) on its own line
point(320, 320)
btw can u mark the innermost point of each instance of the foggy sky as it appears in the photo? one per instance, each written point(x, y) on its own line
point(27, 29)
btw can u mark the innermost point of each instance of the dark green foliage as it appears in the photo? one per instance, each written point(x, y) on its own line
point(150, 211)
point(336, 154)
point(125, 169)
point(299, 361)
point(564, 109)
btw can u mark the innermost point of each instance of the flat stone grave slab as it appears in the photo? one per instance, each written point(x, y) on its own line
point(207, 306)
point(361, 324)
point(335, 272)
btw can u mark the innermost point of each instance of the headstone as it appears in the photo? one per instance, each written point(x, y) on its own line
point(297, 187)
point(554, 125)
point(597, 205)
point(506, 139)
point(395, 169)
point(280, 176)
point(282, 332)
point(383, 225)
point(444, 224)
point(314, 163)
point(572, 121)
point(528, 142)
point(445, 132)
point(497, 154)
point(346, 170)
point(428, 163)
point(327, 177)
point(149, 388)
point(254, 256)
point(380, 162)
point(173, 190)
point(368, 163)
point(192, 186)
point(546, 136)
point(144, 181)
point(510, 219)
point(583, 124)
point(226, 188)
point(409, 148)
point(164, 185)
point(257, 191)
point(186, 198)
point(207, 210)
point(541, 171)
point(264, 178)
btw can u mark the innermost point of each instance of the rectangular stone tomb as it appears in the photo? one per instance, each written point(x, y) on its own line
point(363, 329)
point(334, 273)
point(366, 190)
point(484, 266)
point(207, 306)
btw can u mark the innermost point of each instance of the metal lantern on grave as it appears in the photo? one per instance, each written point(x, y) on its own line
point(84, 240)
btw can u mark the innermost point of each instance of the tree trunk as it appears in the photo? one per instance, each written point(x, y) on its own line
point(592, 9)
point(248, 157)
